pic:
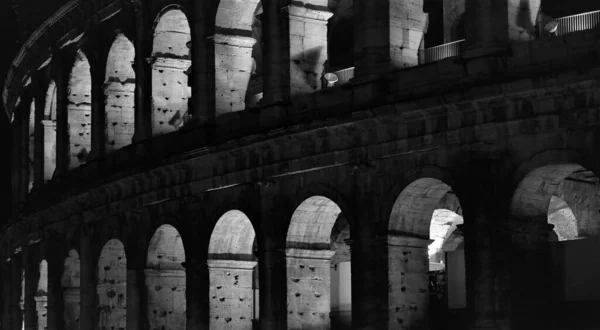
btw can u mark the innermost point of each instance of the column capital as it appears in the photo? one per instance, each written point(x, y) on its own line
point(233, 40)
point(230, 264)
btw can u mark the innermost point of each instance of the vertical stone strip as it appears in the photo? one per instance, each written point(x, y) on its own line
point(196, 277)
point(388, 34)
point(16, 151)
point(39, 134)
point(271, 264)
point(32, 276)
point(7, 287)
point(276, 80)
point(24, 167)
point(165, 298)
point(89, 314)
point(55, 293)
point(408, 282)
point(62, 118)
point(202, 83)
point(142, 111)
point(486, 26)
point(231, 294)
point(98, 109)
point(16, 314)
point(308, 288)
point(135, 299)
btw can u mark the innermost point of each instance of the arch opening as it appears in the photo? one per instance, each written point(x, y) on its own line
point(165, 280)
point(49, 124)
point(119, 89)
point(112, 286)
point(171, 62)
point(235, 25)
point(340, 36)
point(79, 111)
point(41, 296)
point(70, 282)
point(425, 224)
point(233, 273)
point(554, 222)
point(318, 266)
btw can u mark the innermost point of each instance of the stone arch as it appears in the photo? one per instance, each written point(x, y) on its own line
point(171, 61)
point(70, 282)
point(112, 286)
point(79, 111)
point(420, 210)
point(31, 142)
point(119, 90)
point(233, 273)
point(165, 280)
point(234, 44)
point(309, 253)
point(41, 296)
point(49, 123)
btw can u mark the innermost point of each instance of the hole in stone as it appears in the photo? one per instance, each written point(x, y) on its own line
point(297, 294)
point(403, 289)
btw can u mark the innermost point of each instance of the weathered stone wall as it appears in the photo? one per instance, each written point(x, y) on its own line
point(70, 282)
point(41, 297)
point(166, 299)
point(231, 294)
point(454, 25)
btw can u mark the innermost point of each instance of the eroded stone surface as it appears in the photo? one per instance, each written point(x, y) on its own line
point(80, 112)
point(112, 286)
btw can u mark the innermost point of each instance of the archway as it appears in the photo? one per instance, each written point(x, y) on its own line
point(171, 61)
point(165, 280)
point(70, 282)
point(316, 242)
point(41, 297)
point(423, 217)
point(553, 221)
point(112, 286)
point(119, 89)
point(233, 273)
point(31, 141)
point(234, 41)
point(79, 111)
point(49, 124)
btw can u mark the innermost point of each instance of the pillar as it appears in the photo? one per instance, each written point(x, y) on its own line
point(308, 288)
point(98, 133)
point(7, 288)
point(530, 275)
point(491, 24)
point(39, 142)
point(276, 54)
point(15, 165)
point(31, 304)
point(196, 276)
point(88, 318)
point(143, 87)
point(49, 136)
point(136, 302)
point(16, 313)
point(388, 34)
point(55, 256)
point(202, 107)
point(231, 294)
point(408, 265)
point(272, 298)
point(24, 145)
point(233, 67)
point(62, 118)
point(71, 308)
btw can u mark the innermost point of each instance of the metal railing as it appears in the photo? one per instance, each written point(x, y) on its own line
point(344, 75)
point(440, 52)
point(580, 22)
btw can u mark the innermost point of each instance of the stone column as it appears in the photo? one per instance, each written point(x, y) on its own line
point(196, 277)
point(55, 256)
point(31, 302)
point(98, 140)
point(88, 318)
point(388, 34)
point(276, 80)
point(233, 67)
point(272, 298)
point(491, 24)
point(143, 87)
point(24, 145)
point(7, 287)
point(39, 142)
point(62, 120)
point(136, 302)
point(231, 294)
point(71, 308)
point(530, 274)
point(203, 76)
point(308, 288)
point(408, 264)
point(15, 165)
